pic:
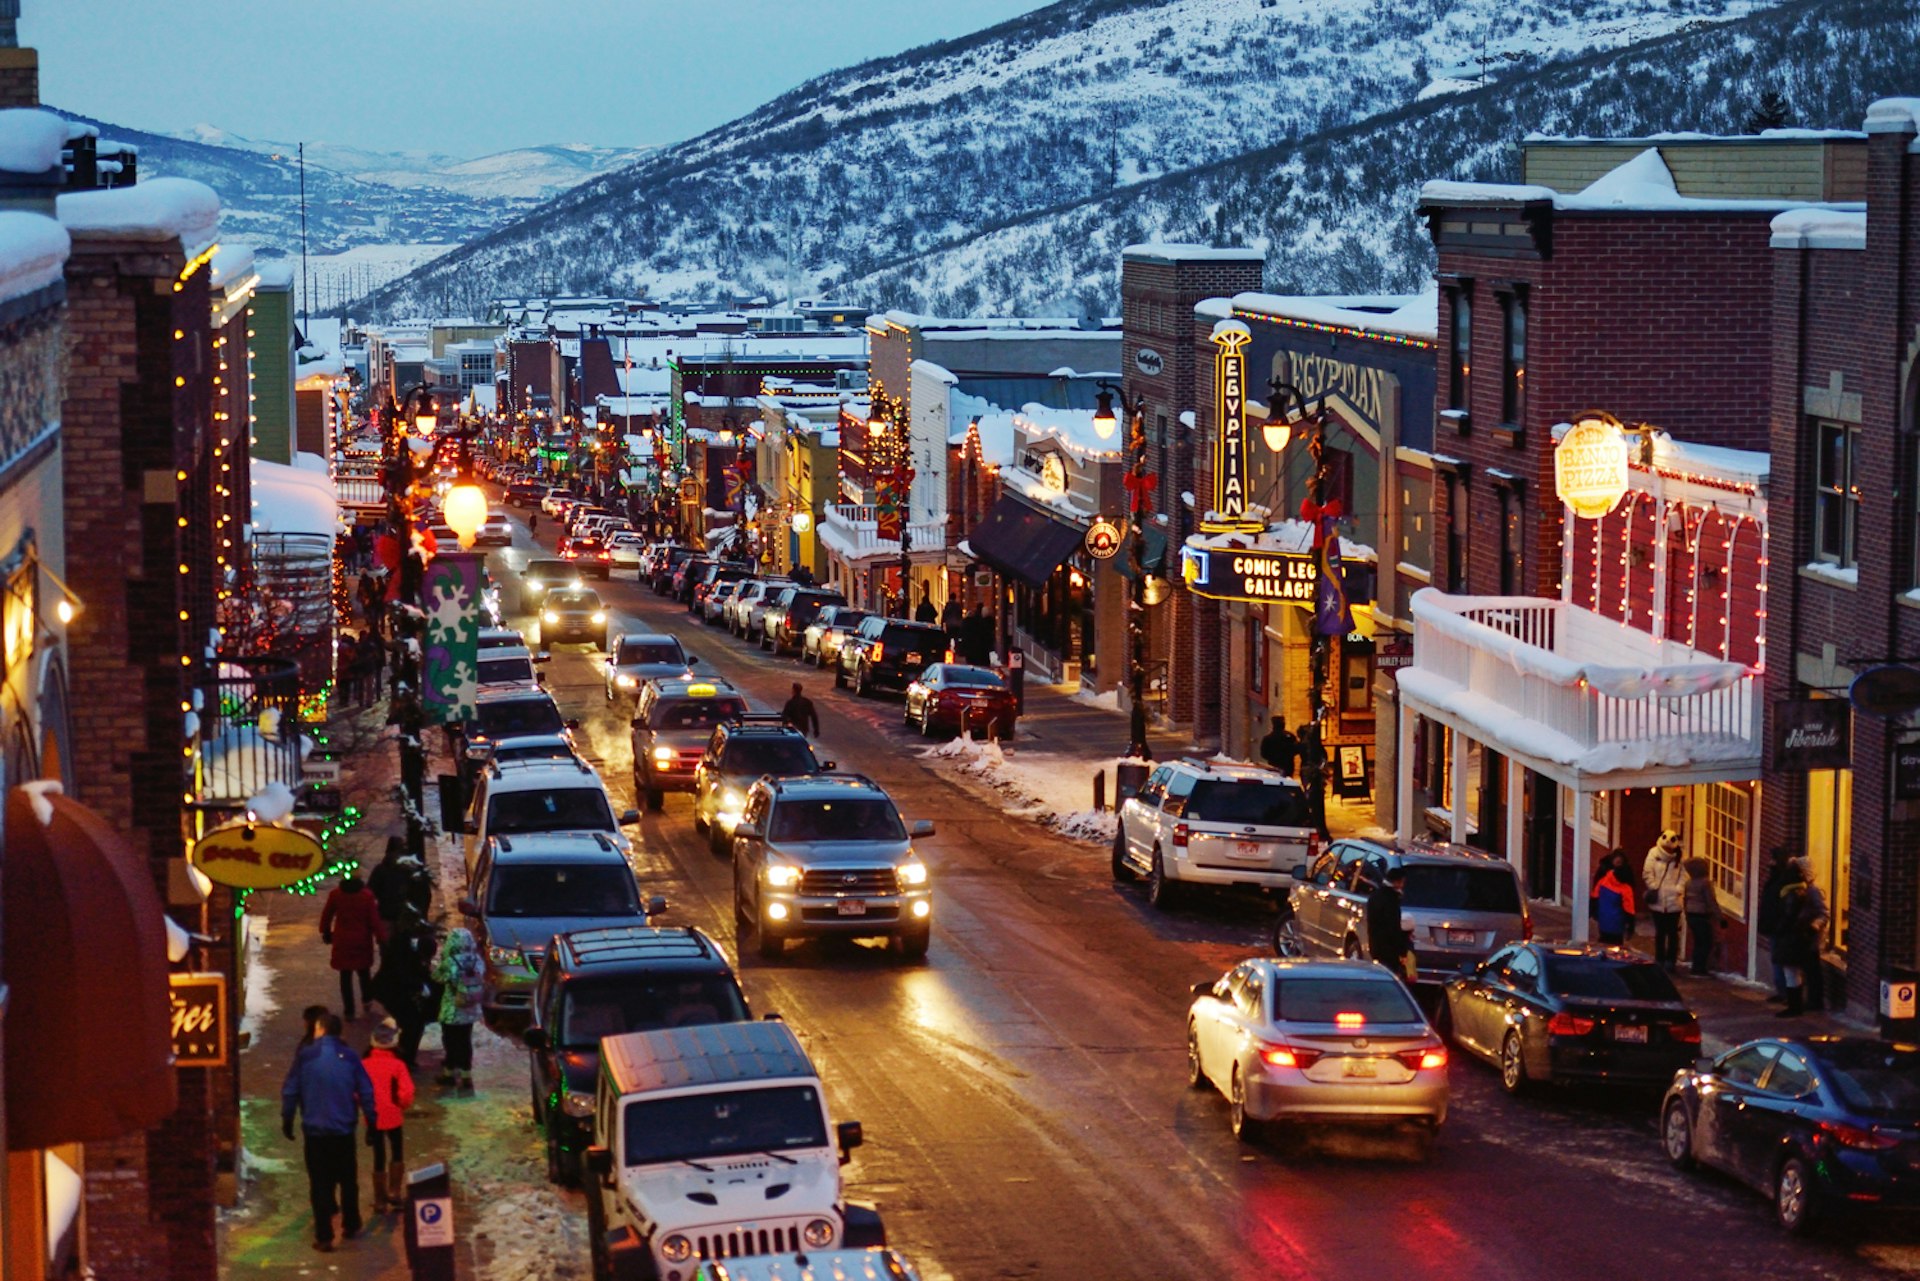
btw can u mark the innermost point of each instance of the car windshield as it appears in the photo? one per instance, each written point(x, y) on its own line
point(848, 619)
point(646, 651)
point(694, 1127)
point(644, 1003)
point(695, 713)
point(550, 809)
point(573, 600)
point(520, 716)
point(921, 640)
point(1461, 889)
point(548, 569)
point(1599, 978)
point(848, 819)
point(802, 608)
point(757, 756)
point(1324, 1000)
point(498, 671)
point(1872, 1078)
point(971, 678)
point(1256, 804)
point(563, 889)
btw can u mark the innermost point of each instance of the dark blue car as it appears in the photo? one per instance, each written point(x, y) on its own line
point(1823, 1125)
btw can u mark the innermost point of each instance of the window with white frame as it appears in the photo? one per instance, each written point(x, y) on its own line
point(1836, 498)
point(1722, 840)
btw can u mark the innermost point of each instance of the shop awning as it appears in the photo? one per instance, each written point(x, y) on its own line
point(88, 1046)
point(1023, 542)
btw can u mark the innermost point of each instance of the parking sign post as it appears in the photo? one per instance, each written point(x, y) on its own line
point(430, 1223)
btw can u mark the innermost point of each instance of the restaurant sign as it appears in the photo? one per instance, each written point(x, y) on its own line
point(1226, 573)
point(1590, 466)
point(1103, 537)
point(257, 856)
point(197, 1019)
point(1812, 734)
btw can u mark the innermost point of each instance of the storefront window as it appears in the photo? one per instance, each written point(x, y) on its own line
point(1830, 845)
point(1836, 499)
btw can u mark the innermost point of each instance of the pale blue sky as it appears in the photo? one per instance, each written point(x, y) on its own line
point(465, 77)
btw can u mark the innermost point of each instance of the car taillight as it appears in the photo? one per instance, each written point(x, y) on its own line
point(1313, 847)
point(877, 652)
point(1853, 1136)
point(606, 555)
point(1425, 1059)
point(1570, 1025)
point(1685, 1033)
point(1180, 833)
point(1288, 1056)
point(1526, 929)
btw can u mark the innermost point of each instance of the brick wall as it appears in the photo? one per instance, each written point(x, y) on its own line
point(19, 78)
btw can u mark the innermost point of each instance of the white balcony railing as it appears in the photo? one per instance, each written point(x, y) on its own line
point(854, 529)
point(1523, 664)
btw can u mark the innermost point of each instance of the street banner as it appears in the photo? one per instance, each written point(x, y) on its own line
point(1332, 613)
point(450, 667)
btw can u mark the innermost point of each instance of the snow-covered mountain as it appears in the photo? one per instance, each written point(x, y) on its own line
point(879, 164)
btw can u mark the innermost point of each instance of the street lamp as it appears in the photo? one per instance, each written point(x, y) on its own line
point(1139, 482)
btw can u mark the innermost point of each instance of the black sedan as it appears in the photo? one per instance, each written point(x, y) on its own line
point(1822, 1125)
point(1542, 1012)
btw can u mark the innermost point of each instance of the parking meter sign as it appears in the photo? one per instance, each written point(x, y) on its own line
point(1897, 999)
point(433, 1222)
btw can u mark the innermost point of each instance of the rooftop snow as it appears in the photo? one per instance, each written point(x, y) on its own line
point(31, 140)
point(1642, 183)
point(1781, 135)
point(158, 209)
point(275, 275)
point(1409, 315)
point(33, 251)
point(1894, 115)
point(292, 500)
point(1191, 253)
point(938, 373)
point(1819, 229)
point(230, 263)
point(1072, 429)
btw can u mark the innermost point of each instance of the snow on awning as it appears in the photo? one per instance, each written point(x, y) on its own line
point(293, 500)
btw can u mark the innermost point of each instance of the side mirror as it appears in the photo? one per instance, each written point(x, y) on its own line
point(469, 908)
point(543, 657)
point(599, 1160)
point(573, 723)
point(771, 1017)
point(1202, 989)
point(471, 827)
point(656, 905)
point(534, 1038)
point(1703, 1064)
point(748, 832)
point(635, 723)
point(691, 659)
point(1298, 871)
point(921, 827)
point(851, 1137)
point(629, 817)
point(827, 767)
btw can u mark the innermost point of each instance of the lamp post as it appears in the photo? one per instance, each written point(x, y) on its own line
point(1139, 483)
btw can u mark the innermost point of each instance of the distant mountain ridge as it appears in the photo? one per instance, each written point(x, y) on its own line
point(855, 174)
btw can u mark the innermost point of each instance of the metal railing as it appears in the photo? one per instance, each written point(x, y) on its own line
point(859, 525)
point(249, 731)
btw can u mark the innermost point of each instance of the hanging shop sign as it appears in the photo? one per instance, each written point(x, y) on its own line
point(257, 856)
point(1811, 734)
point(1890, 690)
point(1103, 537)
point(1590, 466)
point(1149, 362)
point(197, 1016)
point(1225, 573)
point(1230, 478)
point(1906, 771)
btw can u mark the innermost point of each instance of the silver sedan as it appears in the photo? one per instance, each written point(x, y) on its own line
point(1333, 1042)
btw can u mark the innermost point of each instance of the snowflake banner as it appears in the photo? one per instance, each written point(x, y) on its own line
point(451, 667)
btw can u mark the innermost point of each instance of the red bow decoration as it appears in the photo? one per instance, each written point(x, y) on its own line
point(1141, 486)
point(1321, 516)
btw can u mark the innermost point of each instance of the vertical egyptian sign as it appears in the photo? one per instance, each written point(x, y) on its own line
point(451, 665)
point(1230, 426)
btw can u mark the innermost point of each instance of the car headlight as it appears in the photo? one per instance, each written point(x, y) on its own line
point(732, 798)
point(505, 955)
point(676, 1249)
point(549, 617)
point(818, 1233)
point(783, 877)
point(626, 682)
point(599, 617)
point(912, 873)
point(577, 1103)
point(663, 755)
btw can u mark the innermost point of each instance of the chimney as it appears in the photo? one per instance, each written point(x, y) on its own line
point(19, 68)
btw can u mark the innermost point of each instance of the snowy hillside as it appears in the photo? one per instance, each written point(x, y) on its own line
point(1336, 213)
point(877, 163)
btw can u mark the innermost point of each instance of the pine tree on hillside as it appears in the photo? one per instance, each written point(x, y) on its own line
point(1771, 112)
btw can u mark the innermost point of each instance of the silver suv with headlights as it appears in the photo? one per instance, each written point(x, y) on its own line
point(741, 750)
point(828, 854)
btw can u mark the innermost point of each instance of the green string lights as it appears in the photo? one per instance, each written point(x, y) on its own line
point(307, 886)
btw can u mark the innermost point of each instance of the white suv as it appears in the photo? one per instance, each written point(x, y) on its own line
point(513, 798)
point(1213, 823)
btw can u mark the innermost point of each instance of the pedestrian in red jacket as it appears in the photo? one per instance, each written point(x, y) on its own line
point(392, 1096)
point(351, 923)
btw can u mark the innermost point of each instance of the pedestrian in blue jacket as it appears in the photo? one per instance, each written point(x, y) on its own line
point(330, 1088)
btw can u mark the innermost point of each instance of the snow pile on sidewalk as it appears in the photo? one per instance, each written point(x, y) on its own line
point(1035, 785)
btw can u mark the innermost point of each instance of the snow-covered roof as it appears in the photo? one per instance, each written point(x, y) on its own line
point(230, 263)
point(1820, 229)
point(157, 209)
point(292, 500)
point(277, 274)
point(1689, 135)
point(1292, 537)
point(1440, 191)
point(314, 361)
point(33, 252)
point(31, 140)
point(1894, 115)
point(1213, 308)
point(1642, 183)
point(1408, 315)
point(631, 406)
point(1191, 253)
point(996, 427)
point(1072, 429)
point(644, 380)
point(939, 373)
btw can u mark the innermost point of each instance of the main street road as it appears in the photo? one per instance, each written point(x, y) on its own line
point(1023, 1090)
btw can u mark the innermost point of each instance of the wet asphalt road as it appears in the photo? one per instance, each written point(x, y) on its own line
point(1023, 1090)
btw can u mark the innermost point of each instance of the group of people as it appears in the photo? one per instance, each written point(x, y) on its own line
point(420, 979)
point(970, 636)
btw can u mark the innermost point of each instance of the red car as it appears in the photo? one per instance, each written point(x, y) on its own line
point(594, 557)
point(959, 698)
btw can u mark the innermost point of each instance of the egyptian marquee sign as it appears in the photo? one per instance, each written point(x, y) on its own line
point(1590, 466)
point(1230, 429)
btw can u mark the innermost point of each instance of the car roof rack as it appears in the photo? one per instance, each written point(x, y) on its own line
point(750, 719)
point(527, 764)
point(504, 844)
point(608, 944)
point(845, 776)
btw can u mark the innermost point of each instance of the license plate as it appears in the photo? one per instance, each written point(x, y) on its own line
point(1462, 938)
point(1248, 849)
point(913, 658)
point(1362, 1067)
point(1630, 1032)
point(853, 907)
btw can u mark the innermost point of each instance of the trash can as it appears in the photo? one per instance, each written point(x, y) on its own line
point(1900, 1004)
point(430, 1223)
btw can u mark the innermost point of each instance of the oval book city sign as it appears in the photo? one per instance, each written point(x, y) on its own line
point(257, 856)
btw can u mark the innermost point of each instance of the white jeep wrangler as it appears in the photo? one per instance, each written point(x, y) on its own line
point(712, 1142)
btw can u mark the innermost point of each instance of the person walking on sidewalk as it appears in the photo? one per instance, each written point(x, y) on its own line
point(351, 923)
point(1703, 913)
point(1803, 920)
point(329, 1088)
point(398, 882)
point(404, 984)
point(392, 1096)
point(463, 974)
point(1666, 880)
point(1613, 905)
point(1280, 748)
point(799, 713)
point(1767, 919)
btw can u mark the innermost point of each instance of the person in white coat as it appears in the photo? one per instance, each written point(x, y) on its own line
point(1666, 880)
